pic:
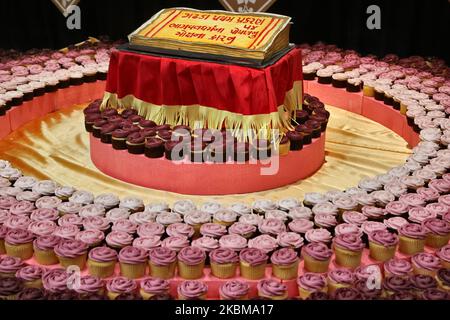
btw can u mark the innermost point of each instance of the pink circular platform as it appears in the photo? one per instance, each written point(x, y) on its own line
point(208, 178)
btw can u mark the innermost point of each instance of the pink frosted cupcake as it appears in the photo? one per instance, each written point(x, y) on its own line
point(191, 261)
point(290, 240)
point(300, 226)
point(354, 217)
point(397, 209)
point(285, 263)
point(272, 226)
point(10, 265)
point(71, 252)
point(97, 223)
point(92, 238)
point(318, 235)
point(311, 282)
point(153, 286)
point(348, 249)
point(234, 290)
point(272, 289)
point(175, 243)
point(412, 238)
point(133, 262)
point(90, 285)
point(44, 214)
point(119, 239)
point(233, 242)
point(150, 229)
point(339, 278)
point(382, 244)
point(31, 276)
point(120, 285)
point(214, 230)
point(438, 232)
point(253, 263)
point(223, 263)
point(180, 229)
point(19, 243)
point(207, 244)
point(162, 262)
point(444, 254)
point(425, 263)
point(397, 267)
point(264, 242)
point(317, 257)
point(192, 290)
point(102, 261)
point(147, 243)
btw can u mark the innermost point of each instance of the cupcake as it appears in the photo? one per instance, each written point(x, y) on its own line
point(154, 148)
point(133, 262)
point(318, 235)
point(438, 232)
point(150, 229)
point(411, 238)
point(272, 289)
point(272, 227)
point(180, 229)
point(19, 243)
point(382, 245)
point(348, 249)
point(191, 261)
point(233, 242)
point(443, 279)
point(162, 262)
point(317, 257)
point(395, 284)
point(397, 267)
point(264, 242)
point(90, 285)
point(135, 143)
point(425, 263)
point(153, 286)
point(44, 249)
point(55, 280)
point(225, 217)
point(32, 294)
point(92, 238)
point(132, 204)
point(300, 213)
point(285, 264)
point(31, 276)
point(300, 226)
point(223, 262)
point(311, 282)
point(71, 252)
point(120, 285)
point(192, 290)
point(253, 263)
point(394, 223)
point(102, 261)
point(196, 219)
point(435, 294)
point(118, 239)
point(234, 290)
point(290, 240)
point(368, 291)
point(347, 294)
point(214, 230)
point(339, 278)
point(207, 244)
point(421, 282)
point(444, 255)
point(10, 265)
point(10, 287)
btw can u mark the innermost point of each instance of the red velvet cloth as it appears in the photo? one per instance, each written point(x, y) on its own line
point(175, 81)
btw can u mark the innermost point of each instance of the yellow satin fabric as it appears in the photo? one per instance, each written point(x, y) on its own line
point(57, 147)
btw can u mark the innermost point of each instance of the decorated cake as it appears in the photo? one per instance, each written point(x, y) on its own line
point(221, 35)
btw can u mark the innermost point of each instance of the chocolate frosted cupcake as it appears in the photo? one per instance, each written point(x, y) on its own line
point(71, 252)
point(348, 249)
point(102, 261)
point(412, 238)
point(285, 263)
point(10, 265)
point(10, 287)
point(119, 139)
point(19, 243)
point(154, 148)
point(31, 276)
point(153, 286)
point(192, 290)
point(223, 262)
point(339, 278)
point(425, 263)
point(133, 262)
point(382, 245)
point(272, 289)
point(191, 261)
point(162, 262)
point(253, 263)
point(135, 143)
point(397, 267)
point(311, 282)
point(120, 285)
point(234, 290)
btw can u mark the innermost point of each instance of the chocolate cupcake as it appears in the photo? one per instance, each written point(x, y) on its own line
point(89, 121)
point(135, 143)
point(306, 131)
point(154, 148)
point(106, 132)
point(296, 140)
point(174, 150)
point(119, 139)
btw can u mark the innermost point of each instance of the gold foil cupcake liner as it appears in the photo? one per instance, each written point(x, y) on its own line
point(112, 295)
point(2, 246)
point(181, 297)
point(314, 265)
point(333, 286)
point(189, 272)
point(223, 223)
point(445, 264)
point(410, 246)
point(10, 297)
point(381, 253)
point(163, 272)
point(22, 251)
point(436, 241)
point(347, 258)
point(223, 271)
point(306, 293)
point(287, 272)
point(252, 272)
point(283, 297)
point(441, 285)
point(418, 270)
point(133, 271)
point(33, 284)
point(368, 91)
point(101, 269)
point(45, 257)
point(244, 297)
point(79, 261)
point(145, 295)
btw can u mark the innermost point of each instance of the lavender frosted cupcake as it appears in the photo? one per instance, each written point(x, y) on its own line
point(301, 226)
point(162, 262)
point(133, 262)
point(444, 255)
point(264, 242)
point(425, 263)
point(285, 264)
point(92, 238)
point(147, 243)
point(348, 250)
point(180, 229)
point(118, 239)
point(150, 287)
point(354, 217)
point(272, 289)
point(55, 280)
point(102, 261)
point(412, 238)
point(192, 290)
point(191, 261)
point(90, 285)
point(438, 232)
point(311, 282)
point(175, 243)
point(44, 249)
point(71, 252)
point(19, 243)
point(213, 230)
point(317, 257)
point(150, 229)
point(339, 278)
point(120, 285)
point(10, 265)
point(234, 290)
point(223, 263)
point(382, 244)
point(272, 227)
point(397, 267)
point(318, 235)
point(253, 263)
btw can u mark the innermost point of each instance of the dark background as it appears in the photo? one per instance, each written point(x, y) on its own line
point(407, 27)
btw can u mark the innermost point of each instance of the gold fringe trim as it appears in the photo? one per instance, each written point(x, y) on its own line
point(197, 116)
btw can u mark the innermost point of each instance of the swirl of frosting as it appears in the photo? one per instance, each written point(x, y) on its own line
point(21, 208)
point(397, 208)
point(254, 219)
point(345, 203)
point(276, 214)
point(150, 229)
point(119, 239)
point(347, 294)
point(116, 214)
point(444, 253)
point(444, 199)
point(69, 208)
point(132, 255)
point(191, 255)
point(253, 256)
point(395, 188)
point(18, 236)
point(184, 206)
point(422, 282)
point(325, 208)
point(341, 276)
point(436, 226)
point(44, 214)
point(384, 238)
point(440, 185)
point(4, 215)
point(121, 285)
point(325, 220)
point(30, 273)
point(372, 212)
point(156, 207)
point(213, 230)
point(223, 256)
point(69, 248)
point(272, 226)
point(11, 174)
point(395, 223)
point(367, 291)
point(234, 290)
point(435, 294)
point(364, 199)
point(17, 222)
point(3, 231)
point(396, 284)
point(412, 182)
point(398, 267)
point(92, 210)
point(64, 192)
point(371, 226)
point(369, 184)
point(313, 198)
point(125, 225)
point(10, 264)
point(42, 228)
point(143, 217)
point(354, 217)
point(349, 241)
point(45, 187)
point(240, 208)
point(284, 257)
point(48, 202)
point(428, 194)
point(312, 281)
point(300, 225)
point(68, 231)
point(10, 286)
point(103, 254)
point(366, 272)
point(318, 235)
point(147, 243)
point(413, 230)
point(154, 285)
point(46, 242)
point(166, 218)
point(6, 202)
point(437, 208)
point(197, 217)
point(107, 200)
point(180, 229)
point(82, 197)
point(263, 242)
point(300, 213)
point(206, 243)
point(95, 223)
point(426, 260)
point(443, 275)
point(344, 228)
point(4, 183)
point(192, 289)
point(90, 237)
point(211, 207)
point(55, 280)
point(419, 214)
point(290, 240)
point(89, 284)
point(288, 204)
point(263, 205)
point(271, 288)
point(175, 243)
point(32, 294)
point(162, 256)
point(318, 251)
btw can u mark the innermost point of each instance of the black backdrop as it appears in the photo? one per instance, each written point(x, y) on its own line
point(407, 27)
